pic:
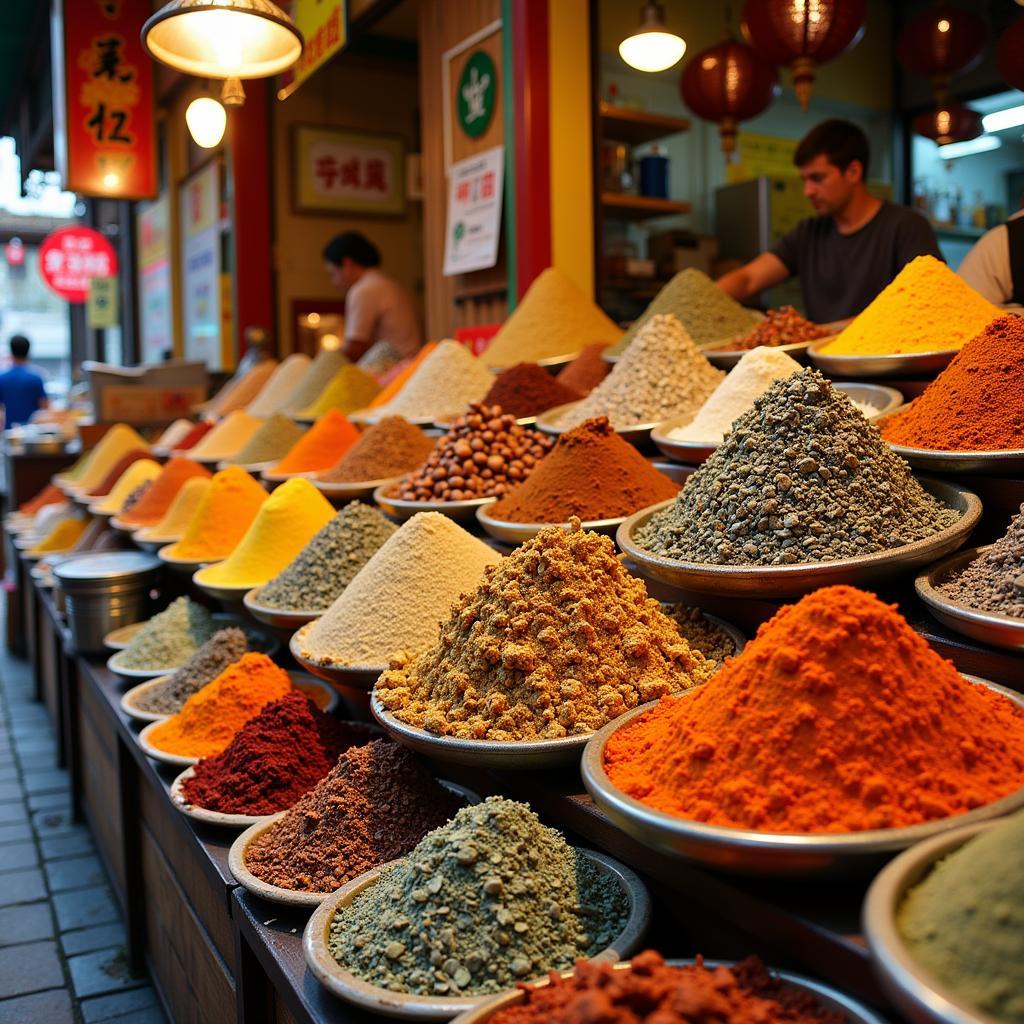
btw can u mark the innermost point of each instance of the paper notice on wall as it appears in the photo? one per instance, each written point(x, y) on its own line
point(474, 212)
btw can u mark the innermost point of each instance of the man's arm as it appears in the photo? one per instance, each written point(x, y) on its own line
point(764, 271)
point(355, 348)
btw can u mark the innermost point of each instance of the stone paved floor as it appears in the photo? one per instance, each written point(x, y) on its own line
point(61, 938)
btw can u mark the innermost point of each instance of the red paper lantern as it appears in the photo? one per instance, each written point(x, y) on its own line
point(728, 83)
point(941, 42)
point(1010, 54)
point(800, 34)
point(950, 123)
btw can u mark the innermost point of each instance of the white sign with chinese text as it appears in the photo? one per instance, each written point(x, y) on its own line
point(474, 212)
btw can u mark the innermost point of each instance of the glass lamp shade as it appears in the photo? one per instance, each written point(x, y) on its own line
point(942, 41)
point(206, 120)
point(652, 47)
point(951, 123)
point(223, 38)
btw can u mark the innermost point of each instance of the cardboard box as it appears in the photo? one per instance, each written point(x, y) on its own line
point(138, 404)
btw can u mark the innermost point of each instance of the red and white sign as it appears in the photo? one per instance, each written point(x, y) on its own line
point(69, 257)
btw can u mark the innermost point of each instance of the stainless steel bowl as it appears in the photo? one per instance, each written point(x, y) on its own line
point(338, 493)
point(726, 359)
point(399, 508)
point(548, 422)
point(901, 364)
point(550, 363)
point(355, 677)
point(289, 619)
point(517, 533)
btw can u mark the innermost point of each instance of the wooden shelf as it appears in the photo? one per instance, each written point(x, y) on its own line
point(638, 126)
point(622, 206)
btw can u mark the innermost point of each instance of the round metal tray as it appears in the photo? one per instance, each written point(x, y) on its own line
point(403, 1006)
point(919, 995)
point(355, 677)
point(161, 755)
point(782, 581)
point(293, 897)
point(899, 364)
point(766, 854)
point(189, 565)
point(399, 508)
point(282, 619)
point(849, 1009)
point(726, 359)
point(118, 639)
point(517, 533)
point(361, 490)
point(639, 434)
point(988, 627)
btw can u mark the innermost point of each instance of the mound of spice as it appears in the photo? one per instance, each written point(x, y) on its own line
point(395, 379)
point(194, 436)
point(177, 517)
point(701, 633)
point(837, 717)
point(279, 386)
point(965, 922)
point(394, 604)
point(274, 758)
point(527, 389)
point(165, 488)
point(707, 313)
point(119, 440)
point(554, 318)
point(994, 581)
point(976, 403)
point(330, 561)
point(170, 636)
point(484, 455)
point(315, 381)
point(106, 485)
point(62, 537)
point(924, 308)
point(284, 524)
point(592, 474)
point(238, 392)
point(225, 511)
point(661, 374)
point(802, 477)
point(227, 438)
point(389, 448)
point(587, 370)
point(173, 435)
point(349, 389)
point(588, 645)
point(321, 446)
point(272, 441)
point(522, 902)
point(375, 804)
point(142, 471)
point(224, 648)
point(210, 717)
point(782, 326)
point(51, 494)
point(652, 992)
point(745, 383)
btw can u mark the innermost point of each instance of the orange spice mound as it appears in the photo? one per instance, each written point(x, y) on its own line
point(210, 718)
point(51, 494)
point(837, 717)
point(153, 505)
point(321, 446)
point(225, 512)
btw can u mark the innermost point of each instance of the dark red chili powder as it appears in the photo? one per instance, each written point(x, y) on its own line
point(104, 488)
point(194, 436)
point(274, 758)
point(587, 370)
point(527, 389)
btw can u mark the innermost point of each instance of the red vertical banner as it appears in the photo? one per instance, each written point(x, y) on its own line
point(103, 111)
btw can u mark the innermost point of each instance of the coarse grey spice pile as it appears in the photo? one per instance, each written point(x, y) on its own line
point(490, 899)
point(701, 633)
point(994, 581)
point(329, 562)
point(170, 637)
point(802, 477)
point(224, 648)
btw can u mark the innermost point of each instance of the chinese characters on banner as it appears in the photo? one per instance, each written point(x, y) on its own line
point(199, 204)
point(103, 114)
point(474, 212)
point(156, 309)
point(324, 26)
point(69, 257)
point(338, 170)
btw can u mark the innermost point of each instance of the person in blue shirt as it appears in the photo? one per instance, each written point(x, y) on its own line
point(21, 389)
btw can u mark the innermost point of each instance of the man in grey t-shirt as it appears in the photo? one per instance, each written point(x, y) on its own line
point(855, 246)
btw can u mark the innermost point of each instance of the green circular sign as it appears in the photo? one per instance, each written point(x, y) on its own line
point(478, 89)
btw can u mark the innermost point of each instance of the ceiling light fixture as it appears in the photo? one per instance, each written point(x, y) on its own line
point(958, 149)
point(206, 120)
point(1000, 120)
point(652, 47)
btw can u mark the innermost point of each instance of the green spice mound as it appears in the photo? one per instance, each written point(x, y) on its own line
point(802, 477)
point(271, 442)
point(557, 640)
point(492, 898)
point(330, 561)
point(965, 922)
point(170, 637)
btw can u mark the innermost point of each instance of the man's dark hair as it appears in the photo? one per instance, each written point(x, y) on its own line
point(19, 346)
point(840, 142)
point(355, 246)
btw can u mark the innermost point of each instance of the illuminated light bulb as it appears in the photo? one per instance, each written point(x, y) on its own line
point(206, 120)
point(313, 319)
point(111, 180)
point(652, 47)
point(330, 342)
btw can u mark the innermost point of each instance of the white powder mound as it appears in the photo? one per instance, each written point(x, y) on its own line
point(278, 389)
point(314, 381)
point(748, 380)
point(395, 604)
point(661, 374)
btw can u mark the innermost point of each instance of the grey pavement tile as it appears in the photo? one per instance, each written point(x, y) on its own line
point(16, 856)
point(76, 844)
point(74, 873)
point(56, 822)
point(17, 832)
point(85, 940)
point(103, 971)
point(25, 923)
point(48, 801)
point(82, 908)
point(53, 1007)
point(9, 771)
point(11, 791)
point(154, 1015)
point(50, 781)
point(119, 1005)
point(22, 887)
point(30, 967)
point(13, 811)
point(39, 762)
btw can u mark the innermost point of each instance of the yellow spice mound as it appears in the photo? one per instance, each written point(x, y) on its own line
point(138, 472)
point(925, 308)
point(117, 441)
point(177, 518)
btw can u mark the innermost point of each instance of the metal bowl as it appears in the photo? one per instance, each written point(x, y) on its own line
point(252, 468)
point(898, 364)
point(882, 399)
point(282, 619)
point(551, 363)
point(766, 854)
point(399, 508)
point(851, 1011)
point(403, 1006)
point(726, 359)
point(270, 477)
point(226, 593)
point(638, 434)
point(920, 996)
point(360, 491)
point(118, 524)
point(114, 664)
point(783, 581)
point(517, 533)
point(276, 893)
point(146, 544)
point(370, 417)
point(118, 639)
point(523, 421)
point(356, 677)
point(988, 627)
point(188, 565)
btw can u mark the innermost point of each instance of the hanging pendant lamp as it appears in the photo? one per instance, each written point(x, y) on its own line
point(952, 122)
point(652, 47)
point(941, 42)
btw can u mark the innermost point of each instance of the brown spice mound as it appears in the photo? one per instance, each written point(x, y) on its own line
point(376, 804)
point(527, 389)
point(587, 370)
point(389, 448)
point(557, 640)
point(592, 473)
point(701, 634)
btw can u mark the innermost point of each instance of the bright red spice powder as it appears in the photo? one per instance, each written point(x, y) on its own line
point(116, 471)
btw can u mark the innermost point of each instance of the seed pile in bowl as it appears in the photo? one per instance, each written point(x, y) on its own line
point(170, 637)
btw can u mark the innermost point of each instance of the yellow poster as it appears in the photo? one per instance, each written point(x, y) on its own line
point(101, 304)
point(324, 27)
point(758, 155)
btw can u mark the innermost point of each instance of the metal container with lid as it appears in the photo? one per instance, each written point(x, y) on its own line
point(104, 591)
